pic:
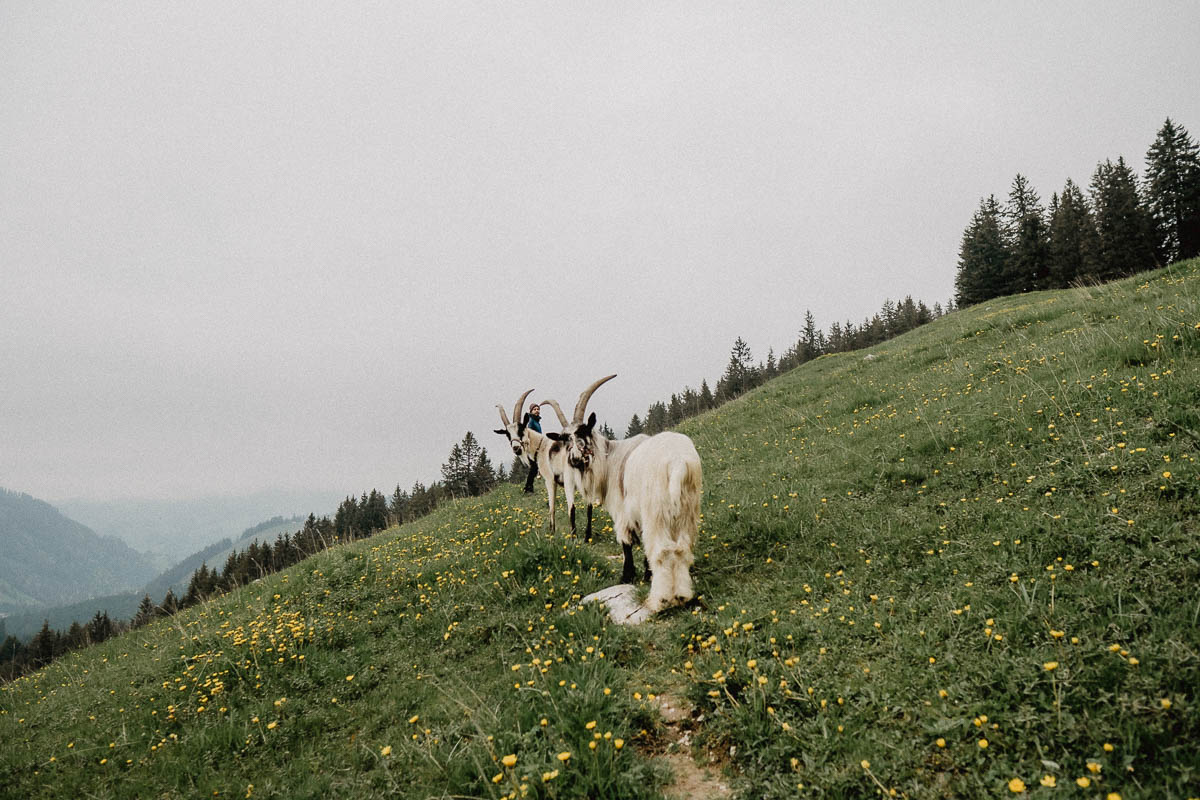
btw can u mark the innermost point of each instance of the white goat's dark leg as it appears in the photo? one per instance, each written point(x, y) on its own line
point(625, 537)
point(550, 491)
point(587, 535)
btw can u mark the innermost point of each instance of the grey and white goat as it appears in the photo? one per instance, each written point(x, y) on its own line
point(549, 456)
point(651, 486)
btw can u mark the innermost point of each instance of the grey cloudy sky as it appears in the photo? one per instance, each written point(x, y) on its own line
point(249, 245)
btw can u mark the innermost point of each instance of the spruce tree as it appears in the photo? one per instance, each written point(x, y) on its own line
point(738, 373)
point(635, 427)
point(656, 418)
point(1126, 243)
point(1173, 192)
point(674, 411)
point(982, 259)
point(399, 506)
point(808, 349)
point(454, 472)
point(707, 401)
point(1073, 241)
point(145, 611)
point(1028, 263)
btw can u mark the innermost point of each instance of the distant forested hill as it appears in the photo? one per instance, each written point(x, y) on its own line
point(122, 606)
point(48, 559)
point(175, 529)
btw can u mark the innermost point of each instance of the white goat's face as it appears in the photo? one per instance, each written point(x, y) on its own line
point(518, 438)
point(580, 442)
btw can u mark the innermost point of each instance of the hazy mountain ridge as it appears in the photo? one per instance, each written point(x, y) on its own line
point(122, 606)
point(50, 559)
point(177, 529)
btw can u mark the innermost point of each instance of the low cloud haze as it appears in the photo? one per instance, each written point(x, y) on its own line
point(265, 245)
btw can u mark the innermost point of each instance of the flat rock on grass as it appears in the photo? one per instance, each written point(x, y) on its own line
point(621, 601)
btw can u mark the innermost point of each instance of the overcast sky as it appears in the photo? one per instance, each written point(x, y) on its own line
point(250, 245)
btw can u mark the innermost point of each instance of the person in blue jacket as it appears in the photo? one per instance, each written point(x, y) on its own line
point(535, 423)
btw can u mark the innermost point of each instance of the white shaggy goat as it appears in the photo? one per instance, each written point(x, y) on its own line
point(651, 486)
point(550, 458)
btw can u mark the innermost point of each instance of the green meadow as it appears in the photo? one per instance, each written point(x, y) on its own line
point(964, 563)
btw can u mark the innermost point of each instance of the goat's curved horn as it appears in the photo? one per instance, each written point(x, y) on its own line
point(521, 404)
point(562, 418)
point(581, 406)
point(503, 415)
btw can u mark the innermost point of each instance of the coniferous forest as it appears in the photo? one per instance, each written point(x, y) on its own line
point(1119, 226)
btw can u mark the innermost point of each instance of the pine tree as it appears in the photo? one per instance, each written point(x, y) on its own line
point(1126, 242)
point(345, 518)
point(1173, 192)
point(674, 411)
point(656, 418)
point(399, 506)
point(483, 477)
point(1028, 264)
point(635, 427)
point(808, 349)
point(738, 373)
point(145, 612)
point(518, 471)
point(43, 645)
point(982, 257)
point(706, 396)
point(454, 472)
point(607, 432)
point(1073, 241)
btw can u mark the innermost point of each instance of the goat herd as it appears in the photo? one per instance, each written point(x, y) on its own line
point(650, 485)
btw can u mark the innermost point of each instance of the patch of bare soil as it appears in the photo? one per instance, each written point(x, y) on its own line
point(690, 780)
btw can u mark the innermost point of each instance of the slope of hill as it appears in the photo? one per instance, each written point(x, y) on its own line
point(47, 559)
point(961, 565)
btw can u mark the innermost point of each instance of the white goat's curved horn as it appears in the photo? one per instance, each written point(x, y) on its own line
point(562, 418)
point(520, 404)
point(503, 415)
point(581, 406)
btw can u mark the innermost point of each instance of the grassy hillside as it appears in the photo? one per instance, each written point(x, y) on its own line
point(963, 564)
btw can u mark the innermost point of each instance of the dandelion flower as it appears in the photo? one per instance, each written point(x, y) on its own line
point(983, 743)
point(386, 751)
point(1016, 786)
point(617, 744)
point(1083, 782)
point(1050, 666)
point(509, 760)
point(1165, 702)
point(940, 742)
point(865, 764)
point(1049, 780)
point(565, 755)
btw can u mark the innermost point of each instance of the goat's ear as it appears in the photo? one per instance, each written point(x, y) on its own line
point(558, 437)
point(525, 419)
point(592, 420)
point(501, 431)
point(521, 430)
